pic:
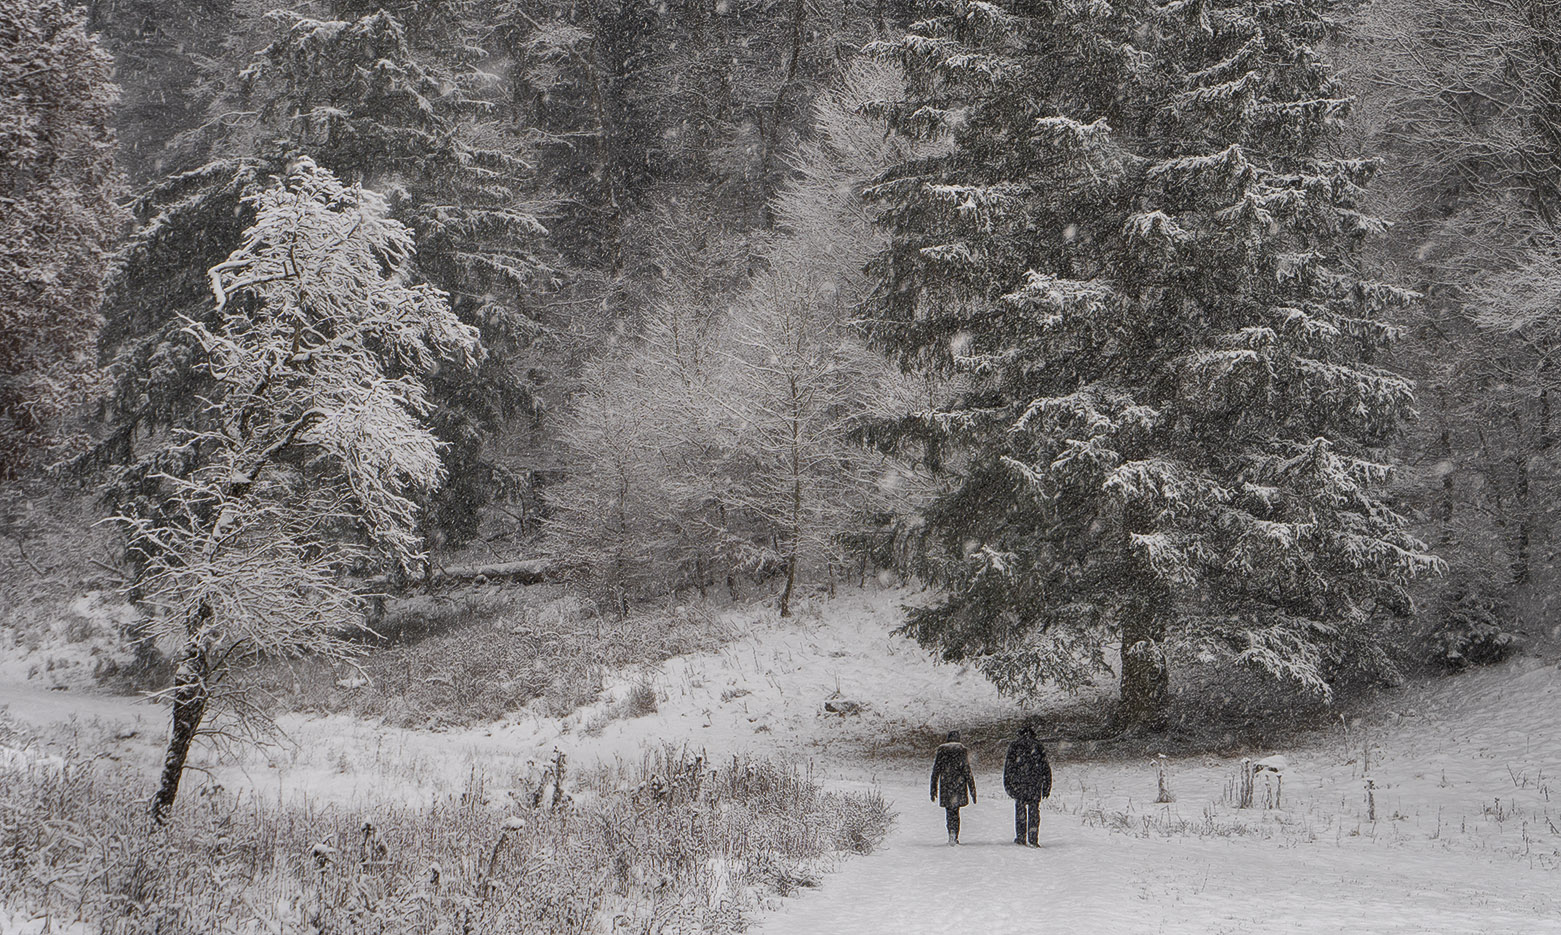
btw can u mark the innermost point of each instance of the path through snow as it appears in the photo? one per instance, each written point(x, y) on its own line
point(1085, 880)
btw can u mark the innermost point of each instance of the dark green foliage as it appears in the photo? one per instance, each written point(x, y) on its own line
point(1473, 632)
point(1139, 253)
point(191, 222)
point(163, 51)
point(651, 113)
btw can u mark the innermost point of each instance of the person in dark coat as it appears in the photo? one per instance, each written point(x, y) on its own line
point(951, 780)
point(1027, 778)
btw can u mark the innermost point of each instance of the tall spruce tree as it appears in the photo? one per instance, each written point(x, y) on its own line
point(1140, 252)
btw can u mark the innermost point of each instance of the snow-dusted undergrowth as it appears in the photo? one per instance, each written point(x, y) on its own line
point(669, 843)
point(480, 656)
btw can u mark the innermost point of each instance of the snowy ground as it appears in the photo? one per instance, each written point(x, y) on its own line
point(1466, 837)
point(1088, 879)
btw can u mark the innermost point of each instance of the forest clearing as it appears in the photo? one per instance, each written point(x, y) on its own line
point(579, 466)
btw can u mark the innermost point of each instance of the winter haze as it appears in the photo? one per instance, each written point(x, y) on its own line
point(810, 467)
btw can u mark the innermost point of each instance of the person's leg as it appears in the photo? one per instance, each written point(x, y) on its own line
point(952, 821)
point(1020, 821)
point(1033, 823)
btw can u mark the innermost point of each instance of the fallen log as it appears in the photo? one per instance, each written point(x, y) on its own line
point(527, 571)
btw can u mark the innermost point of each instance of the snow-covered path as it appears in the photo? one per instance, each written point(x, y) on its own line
point(1090, 880)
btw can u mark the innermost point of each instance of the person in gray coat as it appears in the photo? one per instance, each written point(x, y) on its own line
point(951, 780)
point(1027, 778)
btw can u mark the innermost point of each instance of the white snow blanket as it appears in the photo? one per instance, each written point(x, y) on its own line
point(1092, 881)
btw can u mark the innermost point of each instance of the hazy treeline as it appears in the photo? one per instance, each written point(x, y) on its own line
point(1204, 329)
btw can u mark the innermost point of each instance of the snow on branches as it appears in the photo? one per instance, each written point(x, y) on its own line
point(58, 218)
point(1141, 251)
point(330, 347)
point(307, 459)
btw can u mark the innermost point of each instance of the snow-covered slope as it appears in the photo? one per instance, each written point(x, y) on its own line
point(766, 693)
point(1459, 833)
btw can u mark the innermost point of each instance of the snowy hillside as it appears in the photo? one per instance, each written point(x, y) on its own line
point(1462, 770)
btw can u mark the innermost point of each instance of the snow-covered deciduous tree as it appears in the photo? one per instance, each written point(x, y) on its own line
point(417, 116)
point(726, 441)
point(1462, 100)
point(802, 382)
point(305, 460)
point(58, 217)
point(641, 510)
point(800, 376)
point(1141, 252)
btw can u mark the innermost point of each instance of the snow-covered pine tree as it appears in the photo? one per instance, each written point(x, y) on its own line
point(423, 125)
point(309, 450)
point(1141, 253)
point(58, 218)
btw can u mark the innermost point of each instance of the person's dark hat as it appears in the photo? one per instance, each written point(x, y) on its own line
point(953, 737)
point(1027, 730)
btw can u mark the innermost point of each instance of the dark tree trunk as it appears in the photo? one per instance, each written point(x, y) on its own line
point(1449, 484)
point(1146, 679)
point(1520, 561)
point(190, 695)
point(1528, 510)
point(791, 584)
point(796, 499)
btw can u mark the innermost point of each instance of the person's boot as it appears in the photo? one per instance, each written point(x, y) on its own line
point(952, 839)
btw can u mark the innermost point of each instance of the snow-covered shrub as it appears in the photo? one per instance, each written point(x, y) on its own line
point(641, 699)
point(1472, 633)
point(860, 824)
